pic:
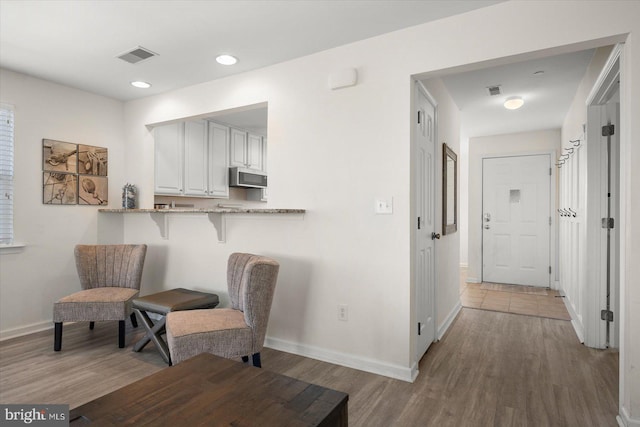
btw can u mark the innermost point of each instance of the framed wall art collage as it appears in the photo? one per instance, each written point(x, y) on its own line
point(74, 174)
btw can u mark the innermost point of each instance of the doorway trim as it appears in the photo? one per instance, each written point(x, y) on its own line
point(553, 228)
point(617, 64)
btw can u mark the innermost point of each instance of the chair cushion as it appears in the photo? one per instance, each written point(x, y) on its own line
point(106, 303)
point(222, 332)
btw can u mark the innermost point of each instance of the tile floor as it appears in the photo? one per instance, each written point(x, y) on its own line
point(550, 305)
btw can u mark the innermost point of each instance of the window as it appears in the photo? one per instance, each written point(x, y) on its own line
point(6, 174)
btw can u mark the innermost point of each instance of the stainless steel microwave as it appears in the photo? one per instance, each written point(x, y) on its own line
point(247, 178)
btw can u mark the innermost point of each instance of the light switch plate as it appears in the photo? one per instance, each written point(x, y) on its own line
point(384, 206)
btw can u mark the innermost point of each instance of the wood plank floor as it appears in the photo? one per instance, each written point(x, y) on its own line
point(490, 369)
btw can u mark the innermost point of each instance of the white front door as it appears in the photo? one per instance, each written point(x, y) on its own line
point(516, 221)
point(425, 163)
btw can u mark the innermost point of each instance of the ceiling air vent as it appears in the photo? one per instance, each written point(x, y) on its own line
point(494, 90)
point(137, 55)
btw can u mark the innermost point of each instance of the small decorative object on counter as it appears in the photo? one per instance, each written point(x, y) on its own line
point(129, 196)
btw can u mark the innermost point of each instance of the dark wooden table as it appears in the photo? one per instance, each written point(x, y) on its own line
point(211, 391)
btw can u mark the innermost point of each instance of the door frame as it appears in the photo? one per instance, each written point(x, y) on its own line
point(594, 327)
point(418, 86)
point(553, 228)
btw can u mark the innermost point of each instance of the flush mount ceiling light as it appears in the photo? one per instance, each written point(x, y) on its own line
point(141, 85)
point(226, 59)
point(513, 103)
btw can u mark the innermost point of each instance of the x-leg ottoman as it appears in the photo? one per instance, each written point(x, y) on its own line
point(163, 303)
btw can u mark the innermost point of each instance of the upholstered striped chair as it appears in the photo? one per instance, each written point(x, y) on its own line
point(234, 332)
point(110, 278)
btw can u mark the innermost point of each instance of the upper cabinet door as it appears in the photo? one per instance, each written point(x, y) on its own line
point(254, 152)
point(195, 159)
point(168, 140)
point(238, 154)
point(218, 160)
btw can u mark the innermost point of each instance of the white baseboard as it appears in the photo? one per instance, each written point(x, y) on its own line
point(575, 318)
point(473, 280)
point(25, 330)
point(442, 329)
point(348, 360)
point(624, 420)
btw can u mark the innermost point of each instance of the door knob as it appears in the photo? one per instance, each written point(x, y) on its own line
point(487, 226)
point(435, 235)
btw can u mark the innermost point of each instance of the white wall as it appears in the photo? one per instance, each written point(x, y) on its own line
point(485, 146)
point(577, 114)
point(34, 277)
point(327, 157)
point(448, 247)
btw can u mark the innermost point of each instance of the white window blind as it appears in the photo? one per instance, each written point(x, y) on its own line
point(6, 174)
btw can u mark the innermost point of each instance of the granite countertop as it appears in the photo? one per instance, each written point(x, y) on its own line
point(206, 210)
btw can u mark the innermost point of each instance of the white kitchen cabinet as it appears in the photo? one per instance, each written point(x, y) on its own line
point(260, 194)
point(218, 160)
point(193, 153)
point(196, 160)
point(238, 150)
point(246, 150)
point(169, 150)
point(254, 152)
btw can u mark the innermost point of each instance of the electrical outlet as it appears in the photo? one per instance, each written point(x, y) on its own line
point(343, 312)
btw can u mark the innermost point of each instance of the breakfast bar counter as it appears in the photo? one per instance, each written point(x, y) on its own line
point(217, 215)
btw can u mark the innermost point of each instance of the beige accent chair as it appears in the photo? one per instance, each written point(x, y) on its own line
point(233, 332)
point(110, 278)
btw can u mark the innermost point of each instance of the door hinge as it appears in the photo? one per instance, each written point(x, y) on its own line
point(549, 171)
point(607, 222)
point(419, 328)
point(608, 130)
point(549, 220)
point(418, 116)
point(549, 269)
point(606, 315)
point(418, 223)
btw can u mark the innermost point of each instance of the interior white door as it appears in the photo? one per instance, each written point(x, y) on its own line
point(516, 220)
point(425, 117)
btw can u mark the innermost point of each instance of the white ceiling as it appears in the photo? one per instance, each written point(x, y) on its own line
point(547, 96)
point(76, 43)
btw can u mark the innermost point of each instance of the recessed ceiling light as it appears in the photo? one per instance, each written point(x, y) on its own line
point(141, 85)
point(226, 59)
point(513, 103)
